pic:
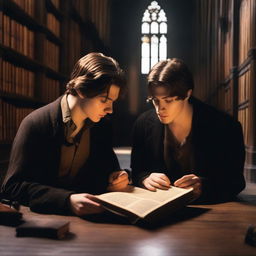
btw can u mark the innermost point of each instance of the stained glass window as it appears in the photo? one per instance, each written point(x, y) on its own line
point(154, 37)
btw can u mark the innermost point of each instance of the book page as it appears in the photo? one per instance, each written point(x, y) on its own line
point(141, 201)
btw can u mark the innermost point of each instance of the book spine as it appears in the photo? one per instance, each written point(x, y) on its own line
point(1, 27)
point(10, 119)
point(27, 6)
point(50, 90)
point(51, 57)
point(16, 80)
point(53, 24)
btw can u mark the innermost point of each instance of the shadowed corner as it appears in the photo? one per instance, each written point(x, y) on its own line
point(185, 213)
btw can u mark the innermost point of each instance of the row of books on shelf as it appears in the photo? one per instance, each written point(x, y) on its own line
point(74, 43)
point(16, 80)
point(80, 6)
point(227, 54)
point(99, 16)
point(56, 3)
point(27, 5)
point(17, 36)
point(50, 90)
point(246, 29)
point(10, 119)
point(21, 81)
point(243, 117)
point(244, 83)
point(51, 55)
point(53, 24)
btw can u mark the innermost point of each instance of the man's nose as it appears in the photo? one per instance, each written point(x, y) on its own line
point(109, 109)
point(160, 106)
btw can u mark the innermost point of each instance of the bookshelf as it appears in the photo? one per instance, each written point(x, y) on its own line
point(230, 26)
point(40, 41)
point(246, 77)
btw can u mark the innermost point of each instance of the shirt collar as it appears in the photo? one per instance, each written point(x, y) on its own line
point(66, 115)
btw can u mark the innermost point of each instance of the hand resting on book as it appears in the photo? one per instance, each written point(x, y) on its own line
point(156, 180)
point(190, 181)
point(118, 181)
point(82, 204)
point(161, 181)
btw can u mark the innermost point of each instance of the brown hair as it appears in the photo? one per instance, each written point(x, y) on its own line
point(174, 75)
point(93, 74)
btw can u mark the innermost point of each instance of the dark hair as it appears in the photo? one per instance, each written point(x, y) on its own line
point(174, 75)
point(93, 74)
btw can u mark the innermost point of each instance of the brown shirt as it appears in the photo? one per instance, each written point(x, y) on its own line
point(178, 156)
point(76, 149)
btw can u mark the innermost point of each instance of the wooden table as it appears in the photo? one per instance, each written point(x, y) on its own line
point(198, 230)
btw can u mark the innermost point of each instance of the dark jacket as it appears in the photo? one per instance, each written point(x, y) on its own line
point(32, 176)
point(218, 146)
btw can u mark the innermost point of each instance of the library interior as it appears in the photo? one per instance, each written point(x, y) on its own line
point(40, 43)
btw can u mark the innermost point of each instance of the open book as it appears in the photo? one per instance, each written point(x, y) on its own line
point(138, 203)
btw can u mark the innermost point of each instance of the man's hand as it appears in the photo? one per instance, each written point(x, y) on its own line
point(118, 181)
point(190, 181)
point(82, 204)
point(156, 180)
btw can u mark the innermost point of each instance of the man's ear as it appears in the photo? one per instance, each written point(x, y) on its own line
point(80, 95)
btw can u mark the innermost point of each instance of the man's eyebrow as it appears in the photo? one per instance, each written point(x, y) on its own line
point(162, 97)
point(105, 96)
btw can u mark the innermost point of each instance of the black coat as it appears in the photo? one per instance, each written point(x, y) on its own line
point(32, 176)
point(218, 144)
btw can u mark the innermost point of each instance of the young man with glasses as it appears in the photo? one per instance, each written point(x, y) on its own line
point(184, 142)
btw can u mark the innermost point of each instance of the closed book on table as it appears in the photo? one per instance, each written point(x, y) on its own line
point(56, 229)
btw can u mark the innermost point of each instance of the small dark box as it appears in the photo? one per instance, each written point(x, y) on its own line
point(55, 229)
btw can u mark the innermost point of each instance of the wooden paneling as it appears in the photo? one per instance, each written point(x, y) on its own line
point(99, 13)
point(225, 61)
point(246, 26)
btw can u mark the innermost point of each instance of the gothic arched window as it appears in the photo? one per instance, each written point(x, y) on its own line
point(154, 37)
